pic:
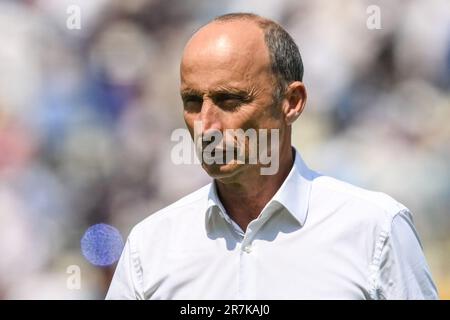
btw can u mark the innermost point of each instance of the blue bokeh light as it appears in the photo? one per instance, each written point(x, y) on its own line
point(102, 244)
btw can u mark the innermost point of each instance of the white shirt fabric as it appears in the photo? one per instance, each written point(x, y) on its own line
point(318, 238)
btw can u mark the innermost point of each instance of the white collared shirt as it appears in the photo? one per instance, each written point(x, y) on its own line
point(318, 238)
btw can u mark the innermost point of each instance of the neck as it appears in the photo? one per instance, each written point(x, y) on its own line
point(245, 198)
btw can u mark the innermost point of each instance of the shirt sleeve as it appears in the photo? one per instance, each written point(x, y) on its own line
point(125, 284)
point(403, 270)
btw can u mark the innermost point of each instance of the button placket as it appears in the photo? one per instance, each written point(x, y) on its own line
point(247, 280)
point(248, 248)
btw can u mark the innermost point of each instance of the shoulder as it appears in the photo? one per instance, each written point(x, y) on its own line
point(356, 203)
point(181, 212)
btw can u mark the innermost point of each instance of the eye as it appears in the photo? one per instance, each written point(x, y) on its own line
point(192, 103)
point(229, 101)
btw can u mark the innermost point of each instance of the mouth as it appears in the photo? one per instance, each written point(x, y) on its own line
point(221, 155)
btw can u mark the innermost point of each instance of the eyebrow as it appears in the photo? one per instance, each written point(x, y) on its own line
point(232, 91)
point(190, 92)
point(221, 91)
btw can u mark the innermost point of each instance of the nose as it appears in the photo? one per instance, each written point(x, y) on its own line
point(210, 117)
point(210, 123)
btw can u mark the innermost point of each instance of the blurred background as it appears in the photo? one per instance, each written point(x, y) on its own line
point(86, 116)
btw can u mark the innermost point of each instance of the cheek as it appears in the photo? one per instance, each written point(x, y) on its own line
point(250, 116)
point(259, 117)
point(244, 120)
point(189, 120)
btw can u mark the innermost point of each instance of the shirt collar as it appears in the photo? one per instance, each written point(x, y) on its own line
point(293, 194)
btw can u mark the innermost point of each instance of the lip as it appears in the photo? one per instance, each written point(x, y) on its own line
point(222, 151)
point(225, 150)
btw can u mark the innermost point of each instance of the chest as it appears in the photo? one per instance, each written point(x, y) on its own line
point(285, 266)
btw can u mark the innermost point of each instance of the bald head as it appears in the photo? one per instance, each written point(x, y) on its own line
point(283, 54)
point(235, 47)
point(238, 37)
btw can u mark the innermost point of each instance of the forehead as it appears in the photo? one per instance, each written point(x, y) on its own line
point(225, 54)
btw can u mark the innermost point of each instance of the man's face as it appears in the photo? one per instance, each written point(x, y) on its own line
point(226, 83)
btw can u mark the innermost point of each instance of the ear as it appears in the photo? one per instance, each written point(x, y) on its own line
point(295, 101)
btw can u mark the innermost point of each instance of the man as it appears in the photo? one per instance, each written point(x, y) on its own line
point(293, 234)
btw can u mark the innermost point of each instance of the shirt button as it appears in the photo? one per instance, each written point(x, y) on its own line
point(248, 249)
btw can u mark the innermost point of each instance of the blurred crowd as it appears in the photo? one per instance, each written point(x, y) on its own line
point(86, 116)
